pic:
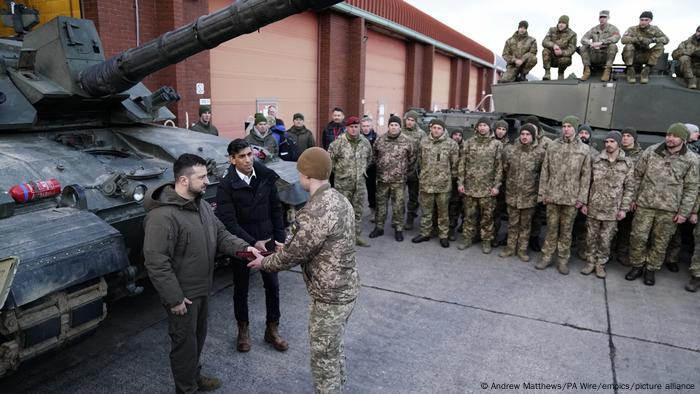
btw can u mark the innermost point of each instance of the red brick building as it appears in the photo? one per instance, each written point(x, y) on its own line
point(374, 57)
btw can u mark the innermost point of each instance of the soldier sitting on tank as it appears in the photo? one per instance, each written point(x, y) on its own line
point(688, 57)
point(520, 54)
point(637, 51)
point(599, 47)
point(557, 48)
point(204, 124)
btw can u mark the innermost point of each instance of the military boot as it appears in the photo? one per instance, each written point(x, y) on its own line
point(359, 241)
point(560, 73)
point(588, 268)
point(600, 271)
point(243, 340)
point(693, 83)
point(693, 285)
point(563, 267)
point(606, 74)
point(451, 233)
point(506, 252)
point(207, 383)
point(522, 255)
point(486, 247)
point(273, 337)
point(631, 75)
point(586, 73)
point(644, 75)
point(649, 277)
point(465, 245)
point(408, 226)
point(377, 232)
point(545, 262)
point(547, 75)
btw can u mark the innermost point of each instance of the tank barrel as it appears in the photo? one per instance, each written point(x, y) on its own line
point(128, 68)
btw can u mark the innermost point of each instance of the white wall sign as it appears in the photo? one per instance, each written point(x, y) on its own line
point(199, 86)
point(204, 101)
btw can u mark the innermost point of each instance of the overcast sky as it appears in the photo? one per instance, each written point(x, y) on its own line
point(490, 23)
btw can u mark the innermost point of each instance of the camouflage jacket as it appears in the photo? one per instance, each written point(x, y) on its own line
point(566, 173)
point(323, 242)
point(417, 134)
point(520, 47)
point(480, 166)
point(439, 159)
point(566, 40)
point(634, 153)
point(664, 181)
point(612, 186)
point(640, 37)
point(689, 47)
point(350, 160)
point(394, 157)
point(268, 142)
point(521, 167)
point(609, 35)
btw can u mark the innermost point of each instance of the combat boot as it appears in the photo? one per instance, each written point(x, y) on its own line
point(377, 232)
point(408, 226)
point(631, 75)
point(588, 268)
point(522, 255)
point(606, 74)
point(207, 383)
point(465, 245)
point(562, 267)
point(451, 233)
point(506, 252)
point(545, 262)
point(600, 271)
point(586, 73)
point(243, 340)
point(693, 83)
point(649, 277)
point(398, 235)
point(693, 285)
point(547, 75)
point(560, 73)
point(644, 75)
point(273, 337)
point(359, 241)
point(534, 244)
point(486, 247)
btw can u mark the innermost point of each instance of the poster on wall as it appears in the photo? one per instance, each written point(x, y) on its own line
point(263, 105)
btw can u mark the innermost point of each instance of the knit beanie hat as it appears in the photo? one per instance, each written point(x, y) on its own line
point(352, 120)
point(533, 119)
point(691, 128)
point(259, 118)
point(523, 24)
point(679, 130)
point(585, 127)
point(564, 19)
point(500, 123)
point(485, 120)
point(530, 128)
point(411, 114)
point(646, 14)
point(457, 131)
point(394, 119)
point(203, 109)
point(572, 120)
point(614, 135)
point(298, 116)
point(631, 131)
point(438, 122)
point(315, 163)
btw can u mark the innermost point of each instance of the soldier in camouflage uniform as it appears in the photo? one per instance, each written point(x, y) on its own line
point(666, 184)
point(621, 244)
point(609, 198)
point(500, 133)
point(579, 235)
point(694, 282)
point(636, 51)
point(322, 242)
point(456, 208)
point(688, 56)
point(479, 180)
point(411, 129)
point(351, 153)
point(520, 54)
point(539, 216)
point(522, 163)
point(564, 184)
point(557, 48)
point(393, 154)
point(439, 158)
point(600, 47)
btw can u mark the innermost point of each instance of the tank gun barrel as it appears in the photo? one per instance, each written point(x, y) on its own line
point(128, 68)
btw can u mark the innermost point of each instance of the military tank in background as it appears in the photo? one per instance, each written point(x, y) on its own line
point(80, 145)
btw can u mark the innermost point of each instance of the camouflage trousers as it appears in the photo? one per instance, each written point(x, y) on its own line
point(428, 202)
point(387, 192)
point(537, 218)
point(551, 60)
point(579, 235)
point(357, 198)
point(695, 261)
point(560, 223)
point(632, 54)
point(653, 226)
point(456, 207)
point(599, 236)
point(512, 70)
point(673, 250)
point(689, 69)
point(475, 208)
point(604, 56)
point(519, 223)
point(621, 243)
point(326, 329)
point(413, 195)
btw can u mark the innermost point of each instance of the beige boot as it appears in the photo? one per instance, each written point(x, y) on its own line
point(631, 74)
point(544, 263)
point(208, 383)
point(547, 75)
point(644, 75)
point(586, 73)
point(693, 83)
point(273, 337)
point(562, 267)
point(522, 255)
point(243, 340)
point(606, 74)
point(588, 268)
point(600, 271)
point(486, 247)
point(506, 252)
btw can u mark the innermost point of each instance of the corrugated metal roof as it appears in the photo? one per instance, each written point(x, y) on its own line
point(411, 17)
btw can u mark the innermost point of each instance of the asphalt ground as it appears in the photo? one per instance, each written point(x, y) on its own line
point(428, 320)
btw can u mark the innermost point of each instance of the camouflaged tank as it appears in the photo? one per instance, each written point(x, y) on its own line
point(68, 114)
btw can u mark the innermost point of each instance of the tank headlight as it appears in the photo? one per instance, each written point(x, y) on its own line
point(73, 196)
point(134, 191)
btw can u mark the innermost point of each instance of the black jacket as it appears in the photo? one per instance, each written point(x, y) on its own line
point(331, 132)
point(251, 212)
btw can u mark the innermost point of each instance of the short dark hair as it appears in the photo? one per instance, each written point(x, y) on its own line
point(236, 146)
point(183, 165)
point(339, 110)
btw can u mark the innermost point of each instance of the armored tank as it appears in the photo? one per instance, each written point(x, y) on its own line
point(80, 145)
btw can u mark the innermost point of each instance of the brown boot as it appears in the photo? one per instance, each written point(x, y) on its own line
point(208, 383)
point(588, 268)
point(586, 73)
point(693, 83)
point(560, 73)
point(644, 75)
point(631, 75)
point(243, 340)
point(600, 271)
point(606, 74)
point(272, 336)
point(547, 75)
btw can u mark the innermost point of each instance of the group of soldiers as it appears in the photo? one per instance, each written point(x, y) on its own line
point(623, 193)
point(643, 45)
